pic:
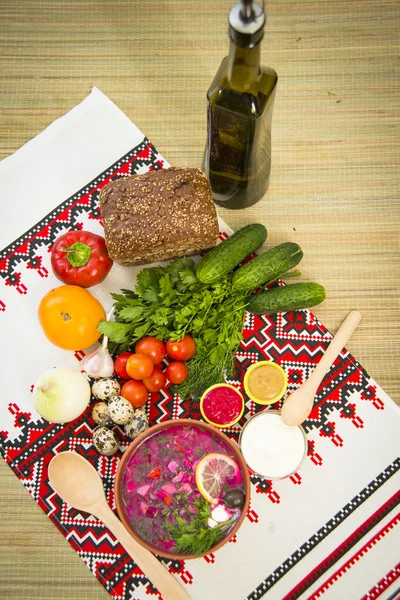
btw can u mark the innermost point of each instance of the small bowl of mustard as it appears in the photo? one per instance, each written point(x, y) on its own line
point(265, 382)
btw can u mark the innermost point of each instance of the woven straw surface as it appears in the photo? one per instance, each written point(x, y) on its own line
point(335, 184)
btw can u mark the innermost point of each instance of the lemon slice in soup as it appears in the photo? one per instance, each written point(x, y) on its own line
point(211, 472)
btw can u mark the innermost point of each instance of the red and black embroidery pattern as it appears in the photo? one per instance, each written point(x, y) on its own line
point(294, 340)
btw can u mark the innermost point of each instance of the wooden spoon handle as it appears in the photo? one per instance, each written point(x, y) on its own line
point(337, 344)
point(164, 581)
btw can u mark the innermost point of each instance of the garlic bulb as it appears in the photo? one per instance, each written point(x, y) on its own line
point(99, 362)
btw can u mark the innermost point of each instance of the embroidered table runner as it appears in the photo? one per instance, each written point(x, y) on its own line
point(327, 531)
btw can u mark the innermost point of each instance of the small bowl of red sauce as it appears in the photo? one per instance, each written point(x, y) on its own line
point(222, 405)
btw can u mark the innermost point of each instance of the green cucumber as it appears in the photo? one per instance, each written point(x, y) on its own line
point(220, 261)
point(289, 297)
point(268, 266)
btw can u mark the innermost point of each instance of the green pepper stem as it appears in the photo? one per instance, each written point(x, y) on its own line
point(78, 255)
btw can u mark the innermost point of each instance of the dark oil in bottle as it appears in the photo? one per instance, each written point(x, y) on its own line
point(240, 100)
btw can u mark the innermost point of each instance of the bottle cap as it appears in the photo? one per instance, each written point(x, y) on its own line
point(246, 24)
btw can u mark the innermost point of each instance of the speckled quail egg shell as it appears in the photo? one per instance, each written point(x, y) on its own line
point(120, 410)
point(138, 424)
point(103, 389)
point(105, 441)
point(101, 416)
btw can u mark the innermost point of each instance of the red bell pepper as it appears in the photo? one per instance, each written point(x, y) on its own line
point(80, 258)
point(155, 473)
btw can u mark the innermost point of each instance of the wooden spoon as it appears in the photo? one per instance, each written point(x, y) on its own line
point(77, 482)
point(298, 405)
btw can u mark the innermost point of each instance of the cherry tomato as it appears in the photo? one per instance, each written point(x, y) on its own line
point(156, 381)
point(135, 392)
point(80, 258)
point(120, 365)
point(153, 347)
point(139, 366)
point(182, 350)
point(69, 316)
point(177, 372)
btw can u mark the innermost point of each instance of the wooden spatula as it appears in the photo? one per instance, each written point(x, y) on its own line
point(298, 405)
point(77, 482)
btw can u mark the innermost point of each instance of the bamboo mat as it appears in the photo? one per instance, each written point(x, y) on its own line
point(335, 184)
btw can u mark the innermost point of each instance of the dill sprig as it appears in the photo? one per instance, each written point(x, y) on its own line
point(195, 537)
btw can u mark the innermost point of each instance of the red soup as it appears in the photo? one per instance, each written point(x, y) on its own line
point(161, 490)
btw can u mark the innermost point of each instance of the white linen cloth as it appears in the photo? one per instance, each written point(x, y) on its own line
point(45, 172)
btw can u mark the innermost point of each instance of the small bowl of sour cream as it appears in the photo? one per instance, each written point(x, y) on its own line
point(271, 448)
point(265, 382)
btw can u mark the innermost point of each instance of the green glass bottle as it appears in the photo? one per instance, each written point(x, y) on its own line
point(237, 157)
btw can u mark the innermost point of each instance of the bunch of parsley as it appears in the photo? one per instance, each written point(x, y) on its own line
point(168, 302)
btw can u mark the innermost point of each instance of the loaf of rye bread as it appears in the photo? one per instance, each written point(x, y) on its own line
point(158, 215)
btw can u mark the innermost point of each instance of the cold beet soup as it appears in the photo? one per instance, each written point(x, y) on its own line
point(182, 490)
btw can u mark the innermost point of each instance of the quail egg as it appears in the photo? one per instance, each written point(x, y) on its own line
point(101, 416)
point(120, 410)
point(105, 441)
point(104, 389)
point(138, 423)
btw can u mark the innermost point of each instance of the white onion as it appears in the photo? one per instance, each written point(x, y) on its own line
point(61, 395)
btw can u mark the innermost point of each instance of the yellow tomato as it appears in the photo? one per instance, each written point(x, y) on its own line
point(69, 316)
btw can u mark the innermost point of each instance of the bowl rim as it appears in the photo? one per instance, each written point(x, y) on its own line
point(224, 425)
point(256, 365)
point(154, 429)
point(268, 477)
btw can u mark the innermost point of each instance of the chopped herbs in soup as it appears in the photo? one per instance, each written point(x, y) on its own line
point(182, 490)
